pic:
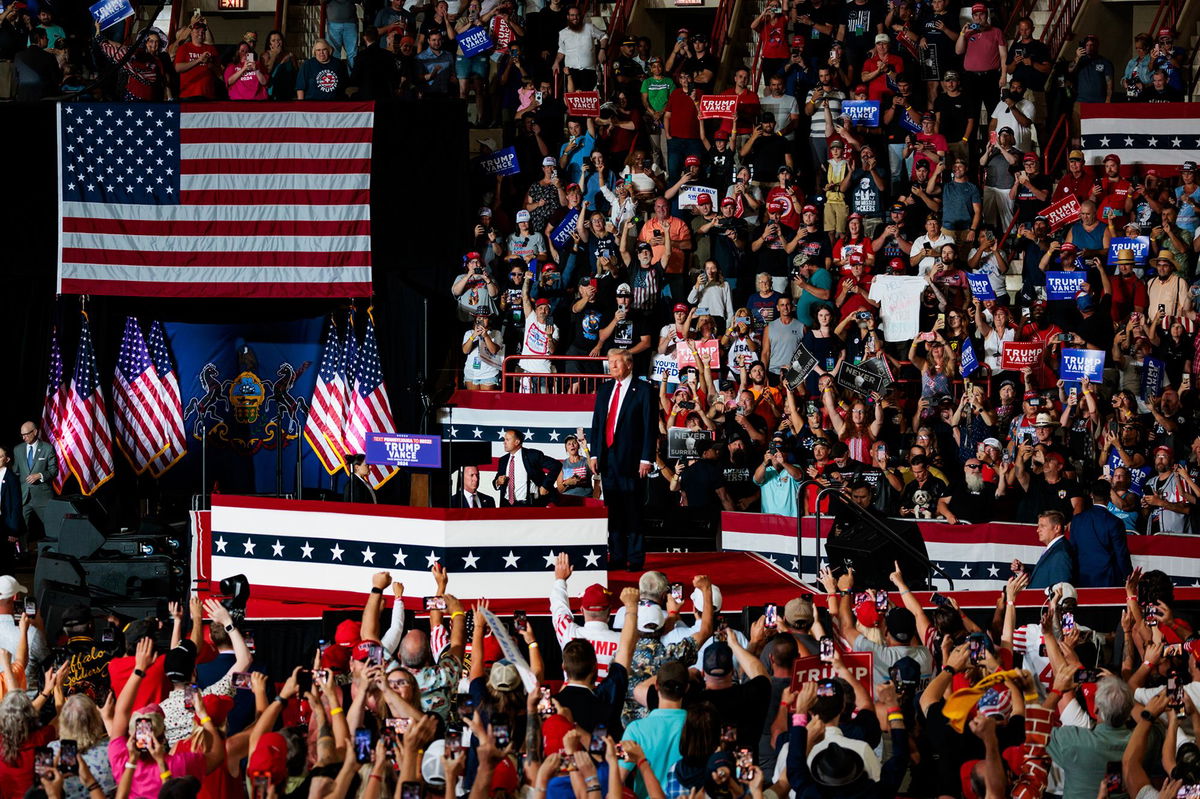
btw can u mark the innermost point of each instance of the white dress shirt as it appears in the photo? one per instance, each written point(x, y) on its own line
point(471, 499)
point(520, 477)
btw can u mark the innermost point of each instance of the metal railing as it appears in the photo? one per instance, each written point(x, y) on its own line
point(516, 380)
point(1052, 158)
point(1060, 25)
point(720, 29)
point(1166, 16)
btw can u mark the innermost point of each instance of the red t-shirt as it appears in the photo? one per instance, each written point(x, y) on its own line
point(774, 37)
point(791, 214)
point(983, 50)
point(1112, 201)
point(746, 111)
point(154, 687)
point(198, 81)
point(685, 117)
point(1080, 186)
point(843, 248)
point(16, 780)
point(878, 89)
point(1128, 292)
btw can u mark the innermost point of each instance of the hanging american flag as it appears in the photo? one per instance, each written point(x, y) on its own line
point(169, 401)
point(325, 429)
point(370, 411)
point(137, 418)
point(54, 410)
point(87, 441)
point(215, 199)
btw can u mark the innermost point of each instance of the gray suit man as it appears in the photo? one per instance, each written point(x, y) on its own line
point(36, 464)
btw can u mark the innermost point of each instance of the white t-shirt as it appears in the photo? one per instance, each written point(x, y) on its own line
point(782, 107)
point(990, 267)
point(537, 342)
point(1006, 119)
point(481, 365)
point(899, 298)
point(579, 48)
point(935, 251)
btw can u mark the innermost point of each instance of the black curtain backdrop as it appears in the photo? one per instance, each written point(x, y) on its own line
point(419, 208)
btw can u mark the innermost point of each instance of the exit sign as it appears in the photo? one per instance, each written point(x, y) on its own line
point(233, 5)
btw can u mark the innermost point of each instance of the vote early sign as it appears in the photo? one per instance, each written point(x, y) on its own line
point(404, 449)
point(811, 669)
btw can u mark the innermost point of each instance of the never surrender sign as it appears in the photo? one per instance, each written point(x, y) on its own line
point(718, 106)
point(582, 104)
point(1016, 355)
point(1063, 212)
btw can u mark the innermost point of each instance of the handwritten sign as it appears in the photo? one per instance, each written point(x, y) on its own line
point(1078, 364)
point(967, 361)
point(811, 669)
point(1139, 244)
point(1064, 285)
point(862, 112)
point(474, 41)
point(109, 12)
point(1016, 355)
point(718, 106)
point(709, 352)
point(501, 162)
point(1063, 212)
point(690, 196)
point(402, 449)
point(562, 234)
point(582, 104)
point(981, 286)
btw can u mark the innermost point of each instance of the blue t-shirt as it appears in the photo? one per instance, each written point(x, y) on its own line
point(323, 81)
point(578, 156)
point(658, 735)
point(438, 68)
point(957, 199)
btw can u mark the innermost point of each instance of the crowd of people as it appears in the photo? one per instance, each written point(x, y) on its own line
point(712, 249)
point(662, 699)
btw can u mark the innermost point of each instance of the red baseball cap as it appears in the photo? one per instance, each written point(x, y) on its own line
point(856, 257)
point(1031, 395)
point(704, 199)
point(1164, 448)
point(550, 267)
point(348, 633)
point(541, 301)
point(692, 160)
point(269, 757)
point(775, 207)
point(681, 307)
point(473, 256)
point(1165, 33)
point(860, 88)
point(810, 209)
point(596, 597)
point(1112, 157)
point(1068, 247)
point(866, 613)
point(897, 265)
point(217, 707)
point(978, 7)
point(729, 201)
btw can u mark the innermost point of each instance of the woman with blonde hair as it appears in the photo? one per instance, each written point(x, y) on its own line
point(711, 294)
point(80, 721)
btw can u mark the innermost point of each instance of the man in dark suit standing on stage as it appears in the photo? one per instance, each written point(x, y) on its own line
point(358, 488)
point(524, 476)
point(10, 511)
point(1100, 543)
point(623, 439)
point(36, 466)
point(467, 495)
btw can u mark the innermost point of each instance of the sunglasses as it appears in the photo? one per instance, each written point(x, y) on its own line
point(974, 466)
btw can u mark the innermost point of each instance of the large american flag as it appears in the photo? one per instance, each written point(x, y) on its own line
point(87, 441)
point(215, 199)
point(137, 415)
point(370, 411)
point(325, 429)
point(1161, 135)
point(169, 400)
point(54, 410)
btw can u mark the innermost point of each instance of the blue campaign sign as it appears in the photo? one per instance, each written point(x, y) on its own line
point(1064, 285)
point(501, 162)
point(967, 361)
point(474, 41)
point(862, 112)
point(1078, 364)
point(1139, 244)
point(562, 234)
point(981, 286)
point(1154, 375)
point(109, 12)
point(403, 449)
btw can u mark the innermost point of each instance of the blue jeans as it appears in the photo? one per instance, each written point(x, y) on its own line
point(677, 151)
point(343, 35)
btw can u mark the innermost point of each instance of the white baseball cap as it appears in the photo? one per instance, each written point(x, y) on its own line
point(9, 587)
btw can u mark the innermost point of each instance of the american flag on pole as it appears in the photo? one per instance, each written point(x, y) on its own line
point(325, 429)
point(54, 410)
point(87, 441)
point(137, 417)
point(215, 199)
point(1161, 135)
point(169, 401)
point(370, 411)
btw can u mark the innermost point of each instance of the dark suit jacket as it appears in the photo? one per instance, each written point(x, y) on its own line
point(1056, 565)
point(543, 472)
point(10, 503)
point(634, 438)
point(358, 491)
point(485, 501)
point(45, 462)
point(1101, 547)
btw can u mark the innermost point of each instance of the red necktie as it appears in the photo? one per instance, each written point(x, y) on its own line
point(611, 428)
point(512, 478)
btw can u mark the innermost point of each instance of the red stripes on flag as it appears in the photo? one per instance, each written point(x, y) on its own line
point(137, 415)
point(325, 429)
point(54, 411)
point(370, 410)
point(87, 445)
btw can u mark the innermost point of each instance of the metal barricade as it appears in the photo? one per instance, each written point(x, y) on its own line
point(591, 372)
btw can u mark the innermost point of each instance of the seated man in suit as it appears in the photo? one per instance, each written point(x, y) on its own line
point(524, 475)
point(467, 495)
point(1057, 563)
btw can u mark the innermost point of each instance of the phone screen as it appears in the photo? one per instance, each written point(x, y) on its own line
point(597, 745)
point(43, 761)
point(545, 706)
point(745, 764)
point(826, 649)
point(500, 733)
point(143, 733)
point(770, 613)
point(68, 757)
point(520, 621)
point(435, 603)
point(410, 790)
point(362, 745)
